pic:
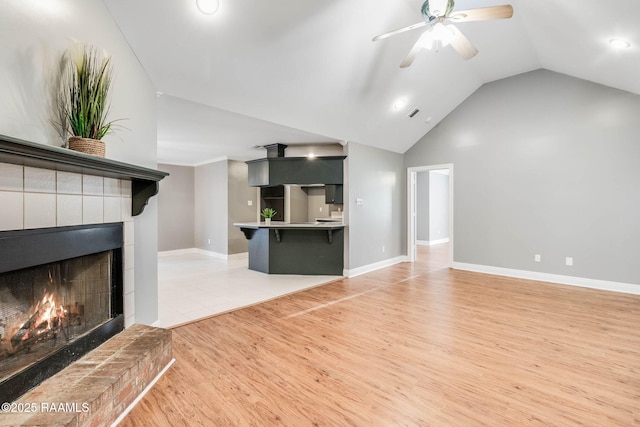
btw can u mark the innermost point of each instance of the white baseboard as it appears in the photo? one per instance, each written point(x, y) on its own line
point(375, 266)
point(236, 257)
point(217, 255)
point(177, 252)
point(431, 242)
point(604, 285)
point(145, 391)
point(439, 241)
point(212, 254)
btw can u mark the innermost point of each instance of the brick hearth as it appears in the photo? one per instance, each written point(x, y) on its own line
point(97, 388)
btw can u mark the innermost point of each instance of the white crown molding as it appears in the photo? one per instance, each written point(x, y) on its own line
point(193, 165)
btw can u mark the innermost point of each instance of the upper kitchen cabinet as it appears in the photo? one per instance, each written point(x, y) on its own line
point(333, 194)
point(273, 171)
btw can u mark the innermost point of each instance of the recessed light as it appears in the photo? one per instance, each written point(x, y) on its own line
point(208, 7)
point(399, 104)
point(159, 94)
point(619, 43)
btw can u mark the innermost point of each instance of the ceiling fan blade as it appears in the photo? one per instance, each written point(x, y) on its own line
point(461, 44)
point(412, 54)
point(398, 31)
point(484, 13)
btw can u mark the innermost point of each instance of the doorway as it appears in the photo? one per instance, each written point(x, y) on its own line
point(416, 195)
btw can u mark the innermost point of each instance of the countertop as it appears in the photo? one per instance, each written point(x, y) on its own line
point(292, 225)
point(327, 219)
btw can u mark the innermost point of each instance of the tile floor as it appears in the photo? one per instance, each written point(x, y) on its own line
point(194, 286)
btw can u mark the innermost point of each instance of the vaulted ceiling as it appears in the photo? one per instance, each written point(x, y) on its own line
point(259, 72)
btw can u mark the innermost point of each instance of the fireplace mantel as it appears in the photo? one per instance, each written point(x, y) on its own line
point(144, 181)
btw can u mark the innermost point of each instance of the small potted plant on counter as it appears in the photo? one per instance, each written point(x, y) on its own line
point(267, 214)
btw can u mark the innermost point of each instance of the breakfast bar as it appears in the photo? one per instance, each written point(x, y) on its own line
point(311, 248)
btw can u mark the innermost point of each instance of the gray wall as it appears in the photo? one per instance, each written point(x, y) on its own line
point(544, 164)
point(239, 210)
point(376, 176)
point(438, 206)
point(33, 40)
point(176, 206)
point(422, 206)
point(297, 203)
point(211, 207)
point(316, 201)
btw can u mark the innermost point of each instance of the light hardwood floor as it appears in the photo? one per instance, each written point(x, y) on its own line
point(413, 345)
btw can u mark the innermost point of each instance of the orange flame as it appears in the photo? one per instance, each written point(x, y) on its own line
point(47, 314)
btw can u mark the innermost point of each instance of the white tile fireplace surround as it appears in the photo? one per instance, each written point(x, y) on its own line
point(39, 198)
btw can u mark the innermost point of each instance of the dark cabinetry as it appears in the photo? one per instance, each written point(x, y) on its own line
point(273, 197)
point(274, 171)
point(333, 194)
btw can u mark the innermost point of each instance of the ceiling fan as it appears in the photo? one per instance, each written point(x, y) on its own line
point(438, 34)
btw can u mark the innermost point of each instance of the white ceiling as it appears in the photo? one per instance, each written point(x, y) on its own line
point(260, 72)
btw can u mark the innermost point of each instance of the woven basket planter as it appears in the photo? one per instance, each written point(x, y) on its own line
point(87, 146)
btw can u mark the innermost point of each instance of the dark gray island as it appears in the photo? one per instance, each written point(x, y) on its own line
point(314, 248)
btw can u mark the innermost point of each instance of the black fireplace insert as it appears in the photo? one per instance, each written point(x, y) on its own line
point(61, 296)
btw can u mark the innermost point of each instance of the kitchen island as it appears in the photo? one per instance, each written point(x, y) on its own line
point(313, 248)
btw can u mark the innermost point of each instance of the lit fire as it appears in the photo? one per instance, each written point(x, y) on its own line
point(48, 315)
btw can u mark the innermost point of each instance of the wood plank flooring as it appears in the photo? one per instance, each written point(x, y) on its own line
point(409, 345)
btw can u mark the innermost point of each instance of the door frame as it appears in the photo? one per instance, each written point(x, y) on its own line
point(411, 208)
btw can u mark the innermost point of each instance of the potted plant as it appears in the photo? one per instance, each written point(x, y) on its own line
point(84, 100)
point(267, 214)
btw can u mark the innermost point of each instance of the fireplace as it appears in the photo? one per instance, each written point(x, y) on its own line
point(61, 296)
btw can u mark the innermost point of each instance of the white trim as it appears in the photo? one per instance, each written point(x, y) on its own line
point(193, 165)
point(439, 241)
point(156, 324)
point(217, 255)
point(411, 206)
point(172, 163)
point(431, 242)
point(375, 266)
point(604, 285)
point(214, 160)
point(139, 398)
point(212, 254)
point(177, 252)
point(235, 257)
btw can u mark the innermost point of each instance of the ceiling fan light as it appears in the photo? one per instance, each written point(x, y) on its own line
point(442, 33)
point(619, 43)
point(426, 40)
point(439, 36)
point(208, 7)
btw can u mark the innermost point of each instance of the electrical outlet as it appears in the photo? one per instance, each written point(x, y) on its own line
point(568, 260)
point(249, 202)
point(208, 241)
point(383, 248)
point(320, 208)
point(537, 258)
